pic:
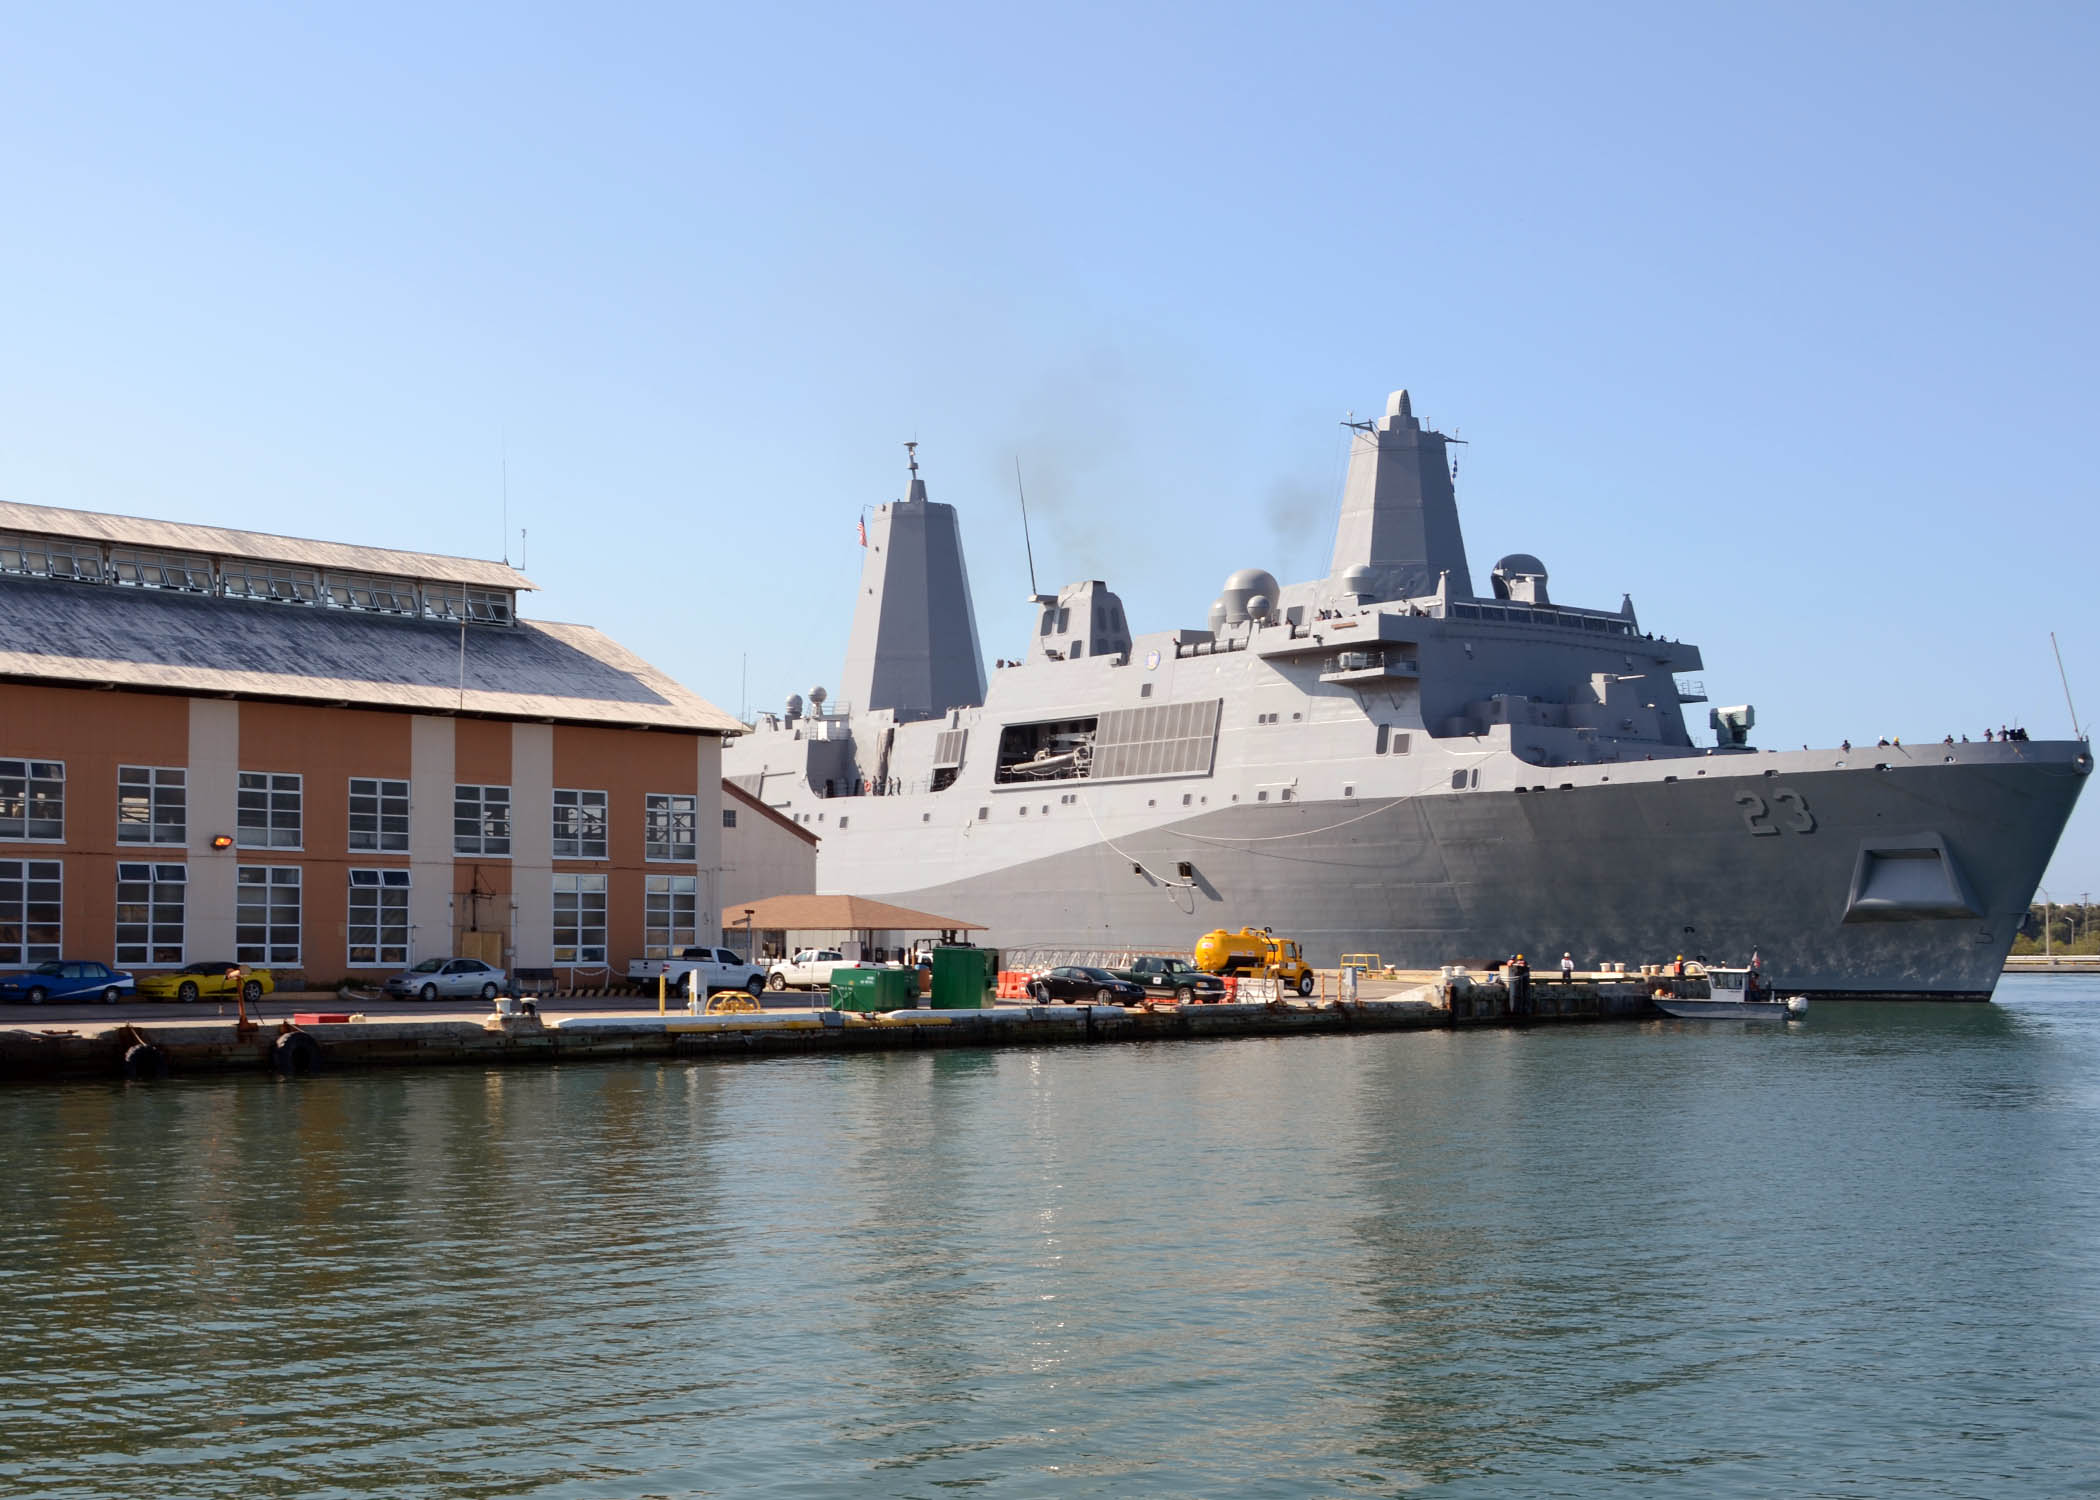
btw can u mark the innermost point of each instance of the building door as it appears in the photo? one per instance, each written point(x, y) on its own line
point(486, 946)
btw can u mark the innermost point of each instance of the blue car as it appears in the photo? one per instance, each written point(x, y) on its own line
point(67, 979)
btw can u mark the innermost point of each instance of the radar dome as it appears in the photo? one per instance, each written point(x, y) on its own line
point(1520, 577)
point(794, 705)
point(1258, 607)
point(1242, 586)
point(1217, 615)
point(816, 700)
point(1360, 579)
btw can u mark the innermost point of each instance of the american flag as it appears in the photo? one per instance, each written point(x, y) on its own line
point(862, 527)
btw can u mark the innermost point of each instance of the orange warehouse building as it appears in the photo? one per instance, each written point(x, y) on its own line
point(219, 745)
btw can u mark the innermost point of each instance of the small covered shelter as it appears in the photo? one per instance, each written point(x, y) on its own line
point(863, 927)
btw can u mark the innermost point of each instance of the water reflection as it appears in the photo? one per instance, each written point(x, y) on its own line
point(1856, 1254)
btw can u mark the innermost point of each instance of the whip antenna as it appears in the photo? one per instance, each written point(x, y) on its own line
point(1030, 545)
point(2076, 731)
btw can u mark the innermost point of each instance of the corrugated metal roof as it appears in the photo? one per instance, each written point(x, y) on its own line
point(839, 914)
point(219, 541)
point(86, 635)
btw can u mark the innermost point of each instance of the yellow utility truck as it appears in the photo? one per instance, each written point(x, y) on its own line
point(1256, 951)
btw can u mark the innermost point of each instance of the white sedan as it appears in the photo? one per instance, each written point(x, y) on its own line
point(448, 978)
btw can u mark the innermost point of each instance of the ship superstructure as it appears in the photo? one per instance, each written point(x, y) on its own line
point(1382, 761)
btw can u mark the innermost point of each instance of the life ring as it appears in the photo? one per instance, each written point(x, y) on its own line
point(294, 1053)
point(143, 1061)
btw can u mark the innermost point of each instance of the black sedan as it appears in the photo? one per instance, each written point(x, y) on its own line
point(1073, 984)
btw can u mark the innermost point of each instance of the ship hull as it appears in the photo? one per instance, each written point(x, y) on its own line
point(1633, 872)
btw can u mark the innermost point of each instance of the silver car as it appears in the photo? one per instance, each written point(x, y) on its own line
point(448, 978)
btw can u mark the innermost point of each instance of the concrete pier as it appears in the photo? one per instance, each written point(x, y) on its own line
point(149, 1049)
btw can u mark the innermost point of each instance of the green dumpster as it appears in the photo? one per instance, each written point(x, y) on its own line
point(964, 978)
point(874, 989)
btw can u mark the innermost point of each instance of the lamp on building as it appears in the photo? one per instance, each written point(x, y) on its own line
point(222, 841)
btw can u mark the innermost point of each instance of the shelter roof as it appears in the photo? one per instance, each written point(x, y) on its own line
point(220, 541)
point(732, 790)
point(840, 913)
point(150, 640)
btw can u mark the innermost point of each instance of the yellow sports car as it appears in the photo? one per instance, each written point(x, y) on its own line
point(207, 982)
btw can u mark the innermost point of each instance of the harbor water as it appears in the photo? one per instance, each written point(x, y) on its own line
point(1858, 1255)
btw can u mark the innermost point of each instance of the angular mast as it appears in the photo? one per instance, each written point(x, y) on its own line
point(914, 644)
point(1399, 516)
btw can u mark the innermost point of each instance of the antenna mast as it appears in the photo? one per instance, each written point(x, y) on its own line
point(1025, 540)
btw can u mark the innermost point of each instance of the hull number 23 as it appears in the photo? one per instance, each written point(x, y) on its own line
point(1787, 809)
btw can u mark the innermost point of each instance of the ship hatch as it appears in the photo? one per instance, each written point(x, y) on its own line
point(1908, 880)
point(1159, 739)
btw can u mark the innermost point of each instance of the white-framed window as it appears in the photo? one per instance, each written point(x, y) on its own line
point(267, 810)
point(49, 557)
point(668, 826)
point(378, 816)
point(152, 805)
point(670, 914)
point(481, 820)
point(150, 902)
point(579, 919)
point(386, 596)
point(266, 915)
point(253, 578)
point(378, 929)
point(185, 572)
point(33, 800)
point(32, 906)
point(452, 601)
point(579, 824)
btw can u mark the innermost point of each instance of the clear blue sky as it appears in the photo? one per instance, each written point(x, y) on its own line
point(1780, 317)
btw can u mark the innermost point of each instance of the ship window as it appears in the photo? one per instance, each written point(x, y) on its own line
point(1261, 796)
point(842, 822)
point(1185, 799)
point(1383, 732)
point(1078, 649)
point(925, 817)
point(1399, 744)
point(1064, 621)
point(983, 813)
point(1049, 619)
point(1024, 809)
point(1458, 778)
point(1145, 690)
point(1348, 791)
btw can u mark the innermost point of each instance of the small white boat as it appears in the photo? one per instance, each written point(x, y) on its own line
point(1738, 995)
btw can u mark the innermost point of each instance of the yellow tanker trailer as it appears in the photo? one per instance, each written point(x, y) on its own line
point(1254, 950)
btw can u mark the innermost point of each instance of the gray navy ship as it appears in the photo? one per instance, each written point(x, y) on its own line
point(1383, 761)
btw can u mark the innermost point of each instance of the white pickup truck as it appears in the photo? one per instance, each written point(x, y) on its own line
point(808, 970)
point(717, 968)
